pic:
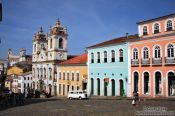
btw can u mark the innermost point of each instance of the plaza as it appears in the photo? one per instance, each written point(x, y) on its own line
point(90, 107)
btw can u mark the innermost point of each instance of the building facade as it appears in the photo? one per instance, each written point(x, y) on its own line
point(72, 75)
point(48, 51)
point(22, 57)
point(108, 67)
point(25, 82)
point(153, 58)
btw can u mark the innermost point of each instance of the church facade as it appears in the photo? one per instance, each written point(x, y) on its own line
point(48, 51)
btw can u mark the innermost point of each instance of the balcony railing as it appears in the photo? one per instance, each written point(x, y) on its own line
point(145, 62)
point(134, 62)
point(157, 61)
point(169, 60)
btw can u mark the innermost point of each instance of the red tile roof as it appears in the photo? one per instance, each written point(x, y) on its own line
point(81, 59)
point(116, 40)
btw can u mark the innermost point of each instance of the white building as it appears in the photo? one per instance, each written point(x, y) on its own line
point(48, 51)
point(21, 57)
point(25, 81)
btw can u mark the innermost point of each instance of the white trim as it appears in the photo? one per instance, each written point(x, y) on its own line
point(97, 56)
point(153, 27)
point(167, 82)
point(148, 51)
point(139, 79)
point(153, 52)
point(142, 29)
point(165, 24)
point(119, 85)
point(154, 90)
point(166, 46)
point(111, 55)
point(111, 85)
point(149, 90)
point(133, 52)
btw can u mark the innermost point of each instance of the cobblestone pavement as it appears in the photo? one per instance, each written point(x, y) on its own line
point(65, 107)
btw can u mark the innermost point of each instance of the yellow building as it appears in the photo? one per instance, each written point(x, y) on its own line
point(8, 84)
point(72, 75)
point(15, 70)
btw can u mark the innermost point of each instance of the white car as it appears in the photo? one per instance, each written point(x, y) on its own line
point(77, 95)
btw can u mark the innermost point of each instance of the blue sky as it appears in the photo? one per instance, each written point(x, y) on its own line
point(88, 21)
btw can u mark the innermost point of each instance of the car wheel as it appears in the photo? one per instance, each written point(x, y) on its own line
point(80, 98)
point(70, 98)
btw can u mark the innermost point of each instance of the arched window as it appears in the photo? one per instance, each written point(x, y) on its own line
point(145, 53)
point(72, 76)
point(67, 75)
point(112, 56)
point(169, 26)
point(135, 54)
point(78, 76)
point(64, 75)
point(156, 28)
point(145, 30)
point(120, 55)
point(92, 57)
point(105, 56)
point(61, 43)
point(157, 52)
point(98, 57)
point(170, 50)
point(50, 43)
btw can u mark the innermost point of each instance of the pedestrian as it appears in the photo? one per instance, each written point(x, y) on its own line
point(134, 98)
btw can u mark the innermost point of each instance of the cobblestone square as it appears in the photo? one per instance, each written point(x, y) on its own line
point(91, 107)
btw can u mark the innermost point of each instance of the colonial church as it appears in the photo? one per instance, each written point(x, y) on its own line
point(48, 50)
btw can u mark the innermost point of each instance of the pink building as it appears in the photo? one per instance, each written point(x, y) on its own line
point(153, 58)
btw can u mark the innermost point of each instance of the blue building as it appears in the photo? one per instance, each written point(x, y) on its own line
point(108, 67)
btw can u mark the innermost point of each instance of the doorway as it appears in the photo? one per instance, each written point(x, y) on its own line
point(121, 87)
point(113, 87)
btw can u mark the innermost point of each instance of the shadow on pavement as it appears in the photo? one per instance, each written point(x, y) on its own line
point(26, 102)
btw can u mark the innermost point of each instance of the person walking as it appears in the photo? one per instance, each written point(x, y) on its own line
point(136, 98)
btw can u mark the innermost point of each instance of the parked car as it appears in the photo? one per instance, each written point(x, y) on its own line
point(77, 95)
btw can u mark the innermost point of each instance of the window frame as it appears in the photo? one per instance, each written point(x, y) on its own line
point(145, 53)
point(105, 56)
point(98, 57)
point(121, 55)
point(112, 55)
point(167, 25)
point(156, 28)
point(145, 32)
point(135, 55)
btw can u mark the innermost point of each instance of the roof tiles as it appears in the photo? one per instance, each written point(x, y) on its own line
point(81, 59)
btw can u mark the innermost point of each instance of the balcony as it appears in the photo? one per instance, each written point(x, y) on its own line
point(157, 61)
point(145, 62)
point(169, 60)
point(134, 62)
